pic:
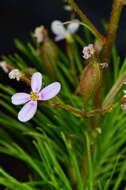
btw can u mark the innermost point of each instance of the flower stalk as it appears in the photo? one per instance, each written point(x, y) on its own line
point(69, 49)
point(79, 113)
point(85, 19)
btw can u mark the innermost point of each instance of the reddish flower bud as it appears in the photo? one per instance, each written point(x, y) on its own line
point(90, 80)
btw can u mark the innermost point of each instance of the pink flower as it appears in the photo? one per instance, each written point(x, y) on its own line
point(30, 108)
point(88, 51)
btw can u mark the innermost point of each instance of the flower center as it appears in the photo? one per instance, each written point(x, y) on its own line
point(34, 96)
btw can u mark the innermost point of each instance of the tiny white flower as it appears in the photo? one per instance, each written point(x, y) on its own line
point(38, 34)
point(88, 51)
point(15, 74)
point(3, 65)
point(61, 32)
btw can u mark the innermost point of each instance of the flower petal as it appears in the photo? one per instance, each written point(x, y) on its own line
point(36, 82)
point(73, 27)
point(28, 111)
point(20, 98)
point(59, 38)
point(58, 28)
point(50, 91)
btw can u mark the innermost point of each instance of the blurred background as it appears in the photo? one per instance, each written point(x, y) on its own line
point(19, 17)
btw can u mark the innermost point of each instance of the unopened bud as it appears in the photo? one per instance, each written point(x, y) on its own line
point(90, 80)
point(48, 53)
point(3, 65)
point(38, 34)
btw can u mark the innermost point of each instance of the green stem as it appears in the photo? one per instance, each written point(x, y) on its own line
point(112, 29)
point(70, 53)
point(114, 90)
point(85, 19)
point(80, 113)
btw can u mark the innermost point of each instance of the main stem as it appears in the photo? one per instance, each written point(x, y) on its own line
point(112, 29)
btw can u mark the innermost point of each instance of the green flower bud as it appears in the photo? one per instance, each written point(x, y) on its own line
point(48, 53)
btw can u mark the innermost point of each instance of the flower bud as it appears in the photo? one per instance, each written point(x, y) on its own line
point(90, 80)
point(38, 34)
point(48, 53)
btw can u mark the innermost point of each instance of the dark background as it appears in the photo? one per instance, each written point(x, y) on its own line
point(19, 17)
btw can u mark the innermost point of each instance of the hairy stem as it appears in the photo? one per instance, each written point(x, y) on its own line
point(85, 20)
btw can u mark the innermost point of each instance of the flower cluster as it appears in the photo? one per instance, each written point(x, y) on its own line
point(15, 74)
point(30, 108)
point(88, 51)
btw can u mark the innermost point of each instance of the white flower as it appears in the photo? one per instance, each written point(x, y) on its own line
point(37, 94)
point(3, 65)
point(88, 51)
point(15, 74)
point(61, 32)
point(38, 34)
